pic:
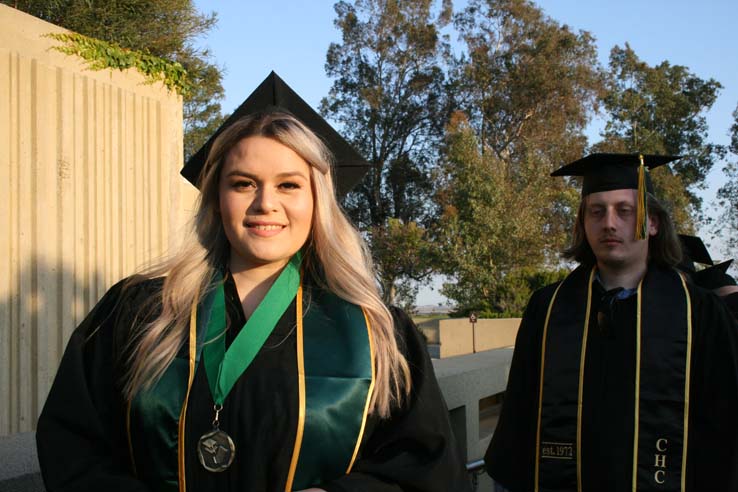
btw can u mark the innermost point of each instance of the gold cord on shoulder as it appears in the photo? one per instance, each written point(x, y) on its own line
point(580, 396)
point(687, 375)
point(369, 395)
point(301, 395)
point(540, 387)
point(637, 400)
point(183, 413)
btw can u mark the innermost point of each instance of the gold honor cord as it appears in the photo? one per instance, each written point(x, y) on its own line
point(540, 385)
point(301, 394)
point(686, 382)
point(636, 432)
point(637, 386)
point(183, 414)
point(368, 396)
point(580, 390)
point(581, 379)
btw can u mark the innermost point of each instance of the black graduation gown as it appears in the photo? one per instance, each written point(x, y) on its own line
point(83, 445)
point(731, 300)
point(609, 395)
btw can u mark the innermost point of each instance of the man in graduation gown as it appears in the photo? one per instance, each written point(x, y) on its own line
point(625, 375)
point(714, 276)
point(716, 279)
point(729, 294)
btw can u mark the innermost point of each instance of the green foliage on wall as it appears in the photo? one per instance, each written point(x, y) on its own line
point(100, 55)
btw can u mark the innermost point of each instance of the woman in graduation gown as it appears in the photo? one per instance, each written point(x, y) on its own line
point(259, 358)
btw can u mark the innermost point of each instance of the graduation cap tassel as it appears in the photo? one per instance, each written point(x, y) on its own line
point(642, 212)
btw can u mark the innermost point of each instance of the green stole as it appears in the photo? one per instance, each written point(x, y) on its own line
point(663, 344)
point(335, 380)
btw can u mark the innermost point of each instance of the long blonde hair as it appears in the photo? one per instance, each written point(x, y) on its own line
point(335, 256)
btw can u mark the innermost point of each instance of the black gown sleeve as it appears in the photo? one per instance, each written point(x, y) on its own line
point(712, 459)
point(509, 457)
point(79, 446)
point(415, 449)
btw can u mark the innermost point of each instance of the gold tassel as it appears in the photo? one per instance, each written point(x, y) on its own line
point(641, 212)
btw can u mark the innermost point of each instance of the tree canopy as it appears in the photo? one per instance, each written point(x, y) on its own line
point(728, 194)
point(526, 87)
point(462, 138)
point(528, 83)
point(388, 97)
point(496, 229)
point(661, 110)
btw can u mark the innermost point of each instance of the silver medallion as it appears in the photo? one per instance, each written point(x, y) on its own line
point(216, 450)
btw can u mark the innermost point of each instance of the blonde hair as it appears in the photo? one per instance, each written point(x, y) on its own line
point(335, 256)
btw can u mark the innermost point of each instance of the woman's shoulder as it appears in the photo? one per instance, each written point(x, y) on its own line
point(133, 292)
point(137, 287)
point(410, 340)
point(126, 299)
point(709, 312)
point(403, 322)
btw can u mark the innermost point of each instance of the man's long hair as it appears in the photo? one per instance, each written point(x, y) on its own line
point(664, 248)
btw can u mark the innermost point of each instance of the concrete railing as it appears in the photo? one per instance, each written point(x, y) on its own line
point(454, 336)
point(465, 382)
point(19, 471)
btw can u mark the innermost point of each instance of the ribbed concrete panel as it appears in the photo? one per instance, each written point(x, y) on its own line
point(89, 192)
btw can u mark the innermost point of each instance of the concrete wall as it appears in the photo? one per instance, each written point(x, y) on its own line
point(455, 337)
point(452, 337)
point(495, 333)
point(464, 380)
point(89, 192)
point(430, 330)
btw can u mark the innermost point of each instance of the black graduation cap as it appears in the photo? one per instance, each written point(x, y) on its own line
point(694, 250)
point(714, 277)
point(274, 94)
point(607, 172)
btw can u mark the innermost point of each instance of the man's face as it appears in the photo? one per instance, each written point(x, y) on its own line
point(609, 225)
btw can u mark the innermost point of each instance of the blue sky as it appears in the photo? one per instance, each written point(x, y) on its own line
point(291, 37)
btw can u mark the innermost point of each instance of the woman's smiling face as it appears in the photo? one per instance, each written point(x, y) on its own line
point(265, 202)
